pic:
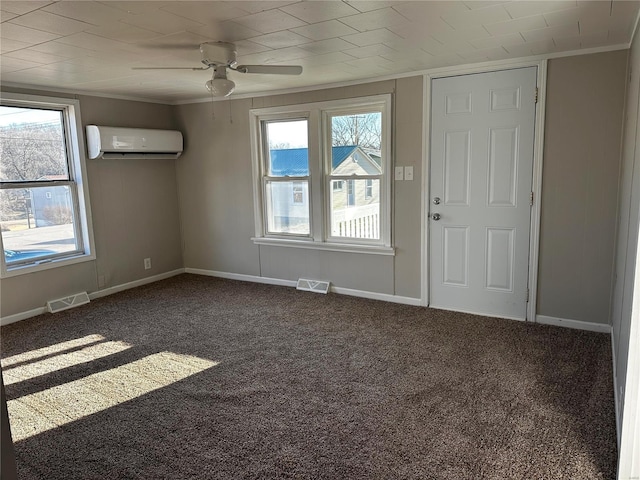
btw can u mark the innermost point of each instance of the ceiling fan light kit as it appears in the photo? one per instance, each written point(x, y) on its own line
point(220, 85)
point(222, 55)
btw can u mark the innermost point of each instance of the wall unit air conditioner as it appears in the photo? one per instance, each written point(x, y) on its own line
point(116, 142)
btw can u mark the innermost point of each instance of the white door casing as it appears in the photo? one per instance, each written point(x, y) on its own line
point(482, 139)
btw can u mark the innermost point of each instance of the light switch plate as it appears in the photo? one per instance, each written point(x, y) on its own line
point(399, 173)
point(408, 173)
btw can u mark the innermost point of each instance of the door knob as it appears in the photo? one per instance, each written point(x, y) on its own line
point(436, 216)
point(436, 200)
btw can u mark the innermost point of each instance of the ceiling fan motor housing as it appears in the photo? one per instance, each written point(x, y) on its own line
point(218, 53)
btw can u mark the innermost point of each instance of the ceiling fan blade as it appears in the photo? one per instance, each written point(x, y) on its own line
point(270, 69)
point(170, 68)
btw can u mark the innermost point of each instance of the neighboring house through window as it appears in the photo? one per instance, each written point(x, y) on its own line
point(44, 210)
point(303, 156)
point(297, 193)
point(351, 195)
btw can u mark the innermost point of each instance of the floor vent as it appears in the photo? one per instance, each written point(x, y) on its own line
point(67, 302)
point(318, 286)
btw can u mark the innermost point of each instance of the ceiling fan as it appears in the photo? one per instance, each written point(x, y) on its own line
point(222, 56)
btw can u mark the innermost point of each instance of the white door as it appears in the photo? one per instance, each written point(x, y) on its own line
point(482, 135)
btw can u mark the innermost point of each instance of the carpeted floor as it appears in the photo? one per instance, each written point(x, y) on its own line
point(204, 378)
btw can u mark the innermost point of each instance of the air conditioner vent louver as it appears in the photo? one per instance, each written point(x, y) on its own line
point(67, 302)
point(318, 286)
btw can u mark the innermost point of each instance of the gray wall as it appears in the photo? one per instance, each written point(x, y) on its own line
point(202, 215)
point(135, 215)
point(628, 222)
point(585, 100)
point(216, 196)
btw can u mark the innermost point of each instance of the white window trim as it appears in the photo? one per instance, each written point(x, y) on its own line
point(319, 179)
point(77, 164)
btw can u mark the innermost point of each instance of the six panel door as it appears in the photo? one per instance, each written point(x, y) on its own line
point(482, 136)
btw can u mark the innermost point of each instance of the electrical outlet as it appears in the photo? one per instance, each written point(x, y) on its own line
point(399, 173)
point(408, 173)
point(147, 263)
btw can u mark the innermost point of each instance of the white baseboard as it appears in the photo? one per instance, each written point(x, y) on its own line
point(16, 317)
point(577, 324)
point(136, 283)
point(385, 297)
point(242, 277)
point(482, 314)
point(292, 283)
point(92, 296)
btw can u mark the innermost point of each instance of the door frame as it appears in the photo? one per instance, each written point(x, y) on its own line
point(536, 187)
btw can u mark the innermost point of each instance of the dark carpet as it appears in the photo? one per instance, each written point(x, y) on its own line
point(305, 386)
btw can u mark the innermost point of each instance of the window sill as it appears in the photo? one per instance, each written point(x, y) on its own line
point(332, 247)
point(46, 265)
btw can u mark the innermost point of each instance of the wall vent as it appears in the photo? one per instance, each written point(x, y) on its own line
point(318, 286)
point(67, 302)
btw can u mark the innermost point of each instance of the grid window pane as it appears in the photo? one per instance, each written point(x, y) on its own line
point(288, 207)
point(356, 142)
point(353, 213)
point(288, 154)
point(37, 222)
point(32, 145)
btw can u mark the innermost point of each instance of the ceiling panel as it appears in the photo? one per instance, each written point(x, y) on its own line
point(325, 30)
point(50, 22)
point(319, 11)
point(94, 13)
point(21, 33)
point(92, 46)
point(22, 7)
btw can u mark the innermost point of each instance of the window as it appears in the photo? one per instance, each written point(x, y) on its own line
point(297, 193)
point(304, 155)
point(43, 202)
point(351, 196)
point(368, 189)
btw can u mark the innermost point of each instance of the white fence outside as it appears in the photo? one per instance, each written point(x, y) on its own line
point(357, 222)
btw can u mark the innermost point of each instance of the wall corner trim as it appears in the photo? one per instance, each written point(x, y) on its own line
point(576, 324)
point(292, 283)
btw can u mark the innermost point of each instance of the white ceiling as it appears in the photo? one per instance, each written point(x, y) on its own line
point(91, 46)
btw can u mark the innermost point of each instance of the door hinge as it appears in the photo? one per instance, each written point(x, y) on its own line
point(531, 198)
point(527, 296)
point(536, 97)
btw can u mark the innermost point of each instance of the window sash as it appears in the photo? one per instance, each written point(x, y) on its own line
point(66, 138)
point(266, 205)
point(76, 222)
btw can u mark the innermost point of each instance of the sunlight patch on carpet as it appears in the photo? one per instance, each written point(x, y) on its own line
point(64, 360)
point(42, 411)
point(50, 350)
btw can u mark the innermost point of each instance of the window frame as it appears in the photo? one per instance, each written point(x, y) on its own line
point(266, 178)
point(320, 190)
point(77, 181)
